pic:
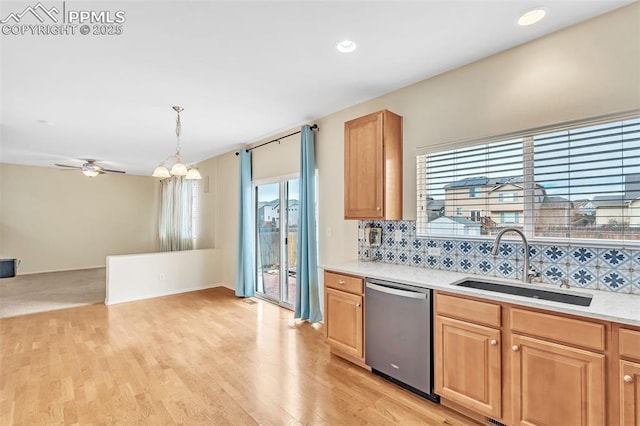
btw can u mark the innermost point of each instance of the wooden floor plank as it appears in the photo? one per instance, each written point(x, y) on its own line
point(196, 358)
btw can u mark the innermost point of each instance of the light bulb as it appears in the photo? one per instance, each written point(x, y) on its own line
point(193, 173)
point(161, 172)
point(178, 169)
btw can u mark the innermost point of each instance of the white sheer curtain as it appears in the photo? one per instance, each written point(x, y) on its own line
point(176, 205)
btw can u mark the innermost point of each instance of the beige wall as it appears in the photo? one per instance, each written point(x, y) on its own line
point(585, 71)
point(55, 220)
point(223, 224)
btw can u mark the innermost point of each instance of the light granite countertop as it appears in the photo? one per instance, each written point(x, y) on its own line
point(622, 308)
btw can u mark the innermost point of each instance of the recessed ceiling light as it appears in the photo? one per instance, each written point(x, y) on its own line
point(532, 16)
point(346, 46)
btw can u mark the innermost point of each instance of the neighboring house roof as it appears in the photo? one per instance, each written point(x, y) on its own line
point(461, 220)
point(609, 201)
point(485, 181)
point(473, 181)
point(435, 205)
point(556, 200)
point(578, 204)
point(632, 185)
point(517, 185)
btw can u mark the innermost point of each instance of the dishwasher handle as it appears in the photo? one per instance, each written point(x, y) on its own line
point(396, 291)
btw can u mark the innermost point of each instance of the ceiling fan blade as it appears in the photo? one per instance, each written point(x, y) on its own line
point(70, 167)
point(114, 171)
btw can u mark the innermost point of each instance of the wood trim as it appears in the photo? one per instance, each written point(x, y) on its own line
point(343, 282)
point(355, 360)
point(571, 331)
point(473, 310)
point(629, 343)
point(392, 142)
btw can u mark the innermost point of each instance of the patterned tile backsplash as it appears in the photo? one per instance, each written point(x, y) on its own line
point(598, 268)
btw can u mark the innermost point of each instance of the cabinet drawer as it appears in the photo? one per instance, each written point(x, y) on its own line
point(565, 330)
point(471, 310)
point(629, 343)
point(343, 282)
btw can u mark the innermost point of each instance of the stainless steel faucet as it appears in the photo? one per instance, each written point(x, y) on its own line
point(527, 272)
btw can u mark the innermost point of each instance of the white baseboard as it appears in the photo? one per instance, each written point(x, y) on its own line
point(161, 294)
point(59, 270)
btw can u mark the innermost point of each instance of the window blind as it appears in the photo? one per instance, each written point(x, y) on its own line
point(591, 180)
point(582, 182)
point(462, 191)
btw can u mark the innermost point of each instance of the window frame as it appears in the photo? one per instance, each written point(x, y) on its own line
point(528, 217)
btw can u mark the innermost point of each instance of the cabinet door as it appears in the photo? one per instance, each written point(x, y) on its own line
point(468, 365)
point(344, 322)
point(629, 393)
point(554, 384)
point(364, 168)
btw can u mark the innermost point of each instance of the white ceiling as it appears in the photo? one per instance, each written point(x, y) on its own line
point(242, 70)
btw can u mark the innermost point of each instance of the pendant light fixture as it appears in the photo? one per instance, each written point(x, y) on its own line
point(178, 168)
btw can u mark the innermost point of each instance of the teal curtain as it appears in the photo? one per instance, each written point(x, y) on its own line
point(245, 277)
point(307, 276)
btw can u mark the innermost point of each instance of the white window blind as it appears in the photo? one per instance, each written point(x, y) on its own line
point(581, 183)
point(459, 190)
point(591, 178)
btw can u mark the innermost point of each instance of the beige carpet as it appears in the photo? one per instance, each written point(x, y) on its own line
point(27, 294)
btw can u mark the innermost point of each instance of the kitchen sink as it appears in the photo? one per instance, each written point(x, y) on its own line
point(535, 293)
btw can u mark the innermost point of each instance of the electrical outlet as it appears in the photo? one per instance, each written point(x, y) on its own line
point(329, 232)
point(397, 235)
point(361, 234)
point(433, 251)
point(161, 277)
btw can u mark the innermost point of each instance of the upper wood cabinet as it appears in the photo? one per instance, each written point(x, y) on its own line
point(373, 167)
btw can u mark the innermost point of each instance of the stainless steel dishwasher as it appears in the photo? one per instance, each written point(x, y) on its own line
point(399, 335)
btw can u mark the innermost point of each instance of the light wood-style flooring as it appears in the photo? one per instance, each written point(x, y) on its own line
point(201, 358)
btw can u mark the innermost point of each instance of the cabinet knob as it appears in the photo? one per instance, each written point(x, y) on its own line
point(515, 348)
point(357, 305)
point(378, 208)
point(493, 342)
point(627, 378)
point(342, 282)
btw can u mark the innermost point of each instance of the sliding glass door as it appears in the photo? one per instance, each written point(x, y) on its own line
point(276, 213)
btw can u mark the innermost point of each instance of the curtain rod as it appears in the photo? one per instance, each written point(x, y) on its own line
point(313, 127)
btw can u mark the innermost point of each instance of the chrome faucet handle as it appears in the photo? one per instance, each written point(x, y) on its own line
point(564, 283)
point(532, 274)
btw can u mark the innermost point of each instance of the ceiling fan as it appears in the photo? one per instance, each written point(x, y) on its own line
point(90, 168)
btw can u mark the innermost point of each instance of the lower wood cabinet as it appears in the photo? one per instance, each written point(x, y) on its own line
point(469, 365)
point(525, 367)
point(629, 393)
point(344, 322)
point(556, 384)
point(628, 377)
point(344, 315)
